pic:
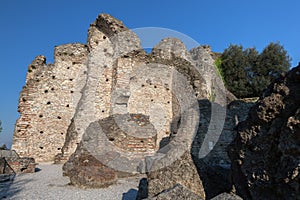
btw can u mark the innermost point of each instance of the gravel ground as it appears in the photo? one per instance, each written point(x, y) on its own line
point(48, 183)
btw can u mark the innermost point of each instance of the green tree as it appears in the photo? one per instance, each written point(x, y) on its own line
point(247, 73)
point(273, 61)
point(236, 68)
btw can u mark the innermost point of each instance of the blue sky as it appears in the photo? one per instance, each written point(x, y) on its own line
point(33, 27)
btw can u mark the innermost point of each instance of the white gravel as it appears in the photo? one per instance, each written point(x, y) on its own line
point(48, 183)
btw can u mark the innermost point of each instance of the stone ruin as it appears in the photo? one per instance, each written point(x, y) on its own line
point(107, 109)
point(92, 81)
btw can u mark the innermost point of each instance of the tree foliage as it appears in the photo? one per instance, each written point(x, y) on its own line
point(247, 73)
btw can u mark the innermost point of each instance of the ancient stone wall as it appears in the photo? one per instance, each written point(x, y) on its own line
point(111, 75)
point(47, 102)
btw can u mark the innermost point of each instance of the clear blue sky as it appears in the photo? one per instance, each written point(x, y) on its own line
point(33, 27)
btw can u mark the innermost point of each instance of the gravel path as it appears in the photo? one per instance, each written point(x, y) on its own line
point(48, 183)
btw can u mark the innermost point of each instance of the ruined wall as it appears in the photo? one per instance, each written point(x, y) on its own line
point(47, 102)
point(110, 75)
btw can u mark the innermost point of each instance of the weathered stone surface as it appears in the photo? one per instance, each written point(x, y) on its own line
point(182, 171)
point(236, 111)
point(97, 161)
point(47, 102)
point(11, 163)
point(84, 170)
point(22, 165)
point(265, 153)
point(108, 40)
point(178, 192)
point(4, 167)
point(227, 196)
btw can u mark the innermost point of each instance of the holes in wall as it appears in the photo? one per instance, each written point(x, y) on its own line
point(72, 91)
point(48, 103)
point(61, 133)
point(152, 100)
point(73, 63)
point(19, 131)
point(68, 67)
point(104, 50)
point(41, 132)
point(23, 99)
point(105, 66)
point(41, 147)
point(67, 105)
point(107, 80)
point(104, 37)
point(142, 141)
point(71, 79)
point(102, 111)
point(168, 102)
point(97, 42)
point(143, 85)
point(53, 77)
point(37, 80)
point(52, 89)
point(155, 86)
point(84, 72)
point(45, 91)
point(58, 149)
point(111, 139)
point(58, 117)
point(40, 116)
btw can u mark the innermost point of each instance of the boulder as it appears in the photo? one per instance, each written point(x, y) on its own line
point(178, 192)
point(85, 171)
point(265, 154)
point(227, 196)
point(182, 171)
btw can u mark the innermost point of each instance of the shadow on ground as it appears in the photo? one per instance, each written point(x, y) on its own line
point(130, 195)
